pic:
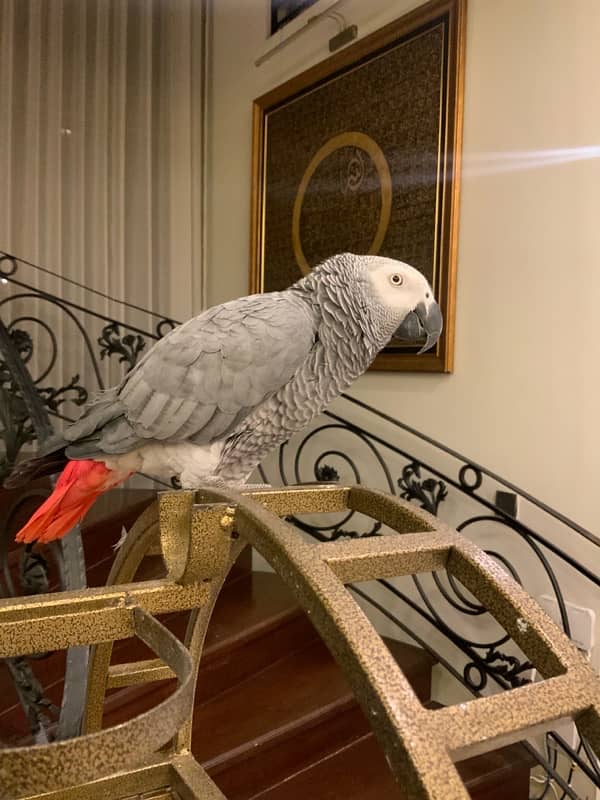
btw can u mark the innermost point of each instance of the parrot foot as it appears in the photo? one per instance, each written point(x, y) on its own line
point(212, 482)
point(220, 483)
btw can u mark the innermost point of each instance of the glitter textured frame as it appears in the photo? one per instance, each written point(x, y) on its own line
point(198, 544)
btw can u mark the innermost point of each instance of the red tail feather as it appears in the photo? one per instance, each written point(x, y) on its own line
point(80, 483)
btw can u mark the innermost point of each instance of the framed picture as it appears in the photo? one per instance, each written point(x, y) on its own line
point(361, 154)
point(284, 11)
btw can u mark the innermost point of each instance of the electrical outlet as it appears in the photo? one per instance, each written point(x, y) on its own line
point(565, 728)
point(509, 503)
point(582, 621)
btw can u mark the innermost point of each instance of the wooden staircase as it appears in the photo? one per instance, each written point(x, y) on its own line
point(275, 718)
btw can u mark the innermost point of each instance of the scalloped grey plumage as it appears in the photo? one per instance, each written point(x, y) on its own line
point(248, 373)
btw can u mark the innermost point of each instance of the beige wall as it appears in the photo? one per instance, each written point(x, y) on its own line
point(524, 395)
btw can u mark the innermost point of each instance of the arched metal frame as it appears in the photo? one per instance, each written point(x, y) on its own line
point(200, 537)
point(336, 447)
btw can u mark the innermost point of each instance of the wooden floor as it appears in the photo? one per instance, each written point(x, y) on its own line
point(274, 716)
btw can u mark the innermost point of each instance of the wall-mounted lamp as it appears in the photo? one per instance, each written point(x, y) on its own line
point(346, 34)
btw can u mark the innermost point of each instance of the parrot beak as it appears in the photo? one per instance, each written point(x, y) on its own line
point(422, 322)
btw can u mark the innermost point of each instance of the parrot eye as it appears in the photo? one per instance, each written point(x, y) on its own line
point(396, 279)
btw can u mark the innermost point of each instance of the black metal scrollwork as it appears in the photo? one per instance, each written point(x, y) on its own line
point(326, 473)
point(127, 347)
point(429, 492)
point(165, 326)
point(16, 426)
point(41, 712)
point(34, 572)
point(342, 533)
point(470, 477)
point(441, 603)
point(73, 392)
point(30, 340)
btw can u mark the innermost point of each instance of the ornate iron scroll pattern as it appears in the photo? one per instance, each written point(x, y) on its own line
point(32, 422)
point(32, 315)
point(34, 387)
point(355, 442)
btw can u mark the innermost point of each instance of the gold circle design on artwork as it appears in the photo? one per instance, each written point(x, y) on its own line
point(346, 139)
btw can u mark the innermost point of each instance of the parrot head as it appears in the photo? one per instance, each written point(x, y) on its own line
point(407, 295)
point(396, 296)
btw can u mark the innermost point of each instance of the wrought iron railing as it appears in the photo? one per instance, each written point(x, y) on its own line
point(550, 555)
point(96, 345)
point(56, 349)
point(199, 535)
point(353, 442)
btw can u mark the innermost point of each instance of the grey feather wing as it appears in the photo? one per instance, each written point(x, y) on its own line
point(202, 379)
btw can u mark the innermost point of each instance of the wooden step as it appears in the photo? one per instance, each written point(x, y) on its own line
point(268, 689)
point(283, 719)
point(358, 771)
point(255, 621)
point(100, 531)
point(101, 528)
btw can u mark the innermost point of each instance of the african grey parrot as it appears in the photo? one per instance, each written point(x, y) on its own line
point(211, 399)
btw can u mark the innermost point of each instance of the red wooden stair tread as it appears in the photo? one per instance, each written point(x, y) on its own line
point(293, 689)
point(359, 771)
point(255, 620)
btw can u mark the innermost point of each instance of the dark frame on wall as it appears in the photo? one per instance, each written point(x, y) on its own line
point(361, 153)
point(284, 11)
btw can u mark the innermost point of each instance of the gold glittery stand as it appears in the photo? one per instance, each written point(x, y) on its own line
point(200, 537)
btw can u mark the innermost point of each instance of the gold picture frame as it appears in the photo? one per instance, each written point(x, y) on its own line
point(366, 147)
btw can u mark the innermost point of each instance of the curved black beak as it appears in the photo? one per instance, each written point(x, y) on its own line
point(422, 322)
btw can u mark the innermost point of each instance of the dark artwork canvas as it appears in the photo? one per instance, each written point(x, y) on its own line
point(362, 161)
point(283, 11)
point(349, 188)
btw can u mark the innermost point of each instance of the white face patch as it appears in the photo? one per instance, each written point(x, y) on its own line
point(398, 286)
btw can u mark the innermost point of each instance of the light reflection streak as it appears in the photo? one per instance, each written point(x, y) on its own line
point(412, 168)
point(480, 164)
